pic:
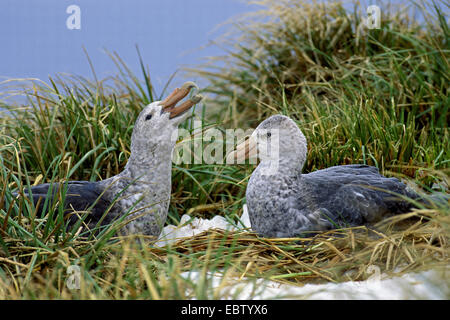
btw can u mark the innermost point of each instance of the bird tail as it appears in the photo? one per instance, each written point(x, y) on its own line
point(436, 199)
point(440, 198)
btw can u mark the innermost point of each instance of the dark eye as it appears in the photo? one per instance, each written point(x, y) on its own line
point(268, 134)
point(148, 117)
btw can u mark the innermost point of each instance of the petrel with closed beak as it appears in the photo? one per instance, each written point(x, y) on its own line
point(287, 203)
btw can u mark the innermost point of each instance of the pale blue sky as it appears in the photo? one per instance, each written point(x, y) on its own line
point(35, 41)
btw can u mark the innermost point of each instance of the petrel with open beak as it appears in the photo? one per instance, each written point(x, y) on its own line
point(141, 192)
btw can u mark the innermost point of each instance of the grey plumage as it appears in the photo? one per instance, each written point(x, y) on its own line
point(80, 196)
point(142, 190)
point(288, 203)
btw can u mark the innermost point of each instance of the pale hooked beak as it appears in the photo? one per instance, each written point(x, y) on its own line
point(169, 104)
point(245, 150)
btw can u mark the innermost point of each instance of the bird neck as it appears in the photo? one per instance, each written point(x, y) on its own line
point(146, 164)
point(284, 166)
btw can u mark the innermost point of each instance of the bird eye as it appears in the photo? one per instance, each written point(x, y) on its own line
point(148, 117)
point(269, 134)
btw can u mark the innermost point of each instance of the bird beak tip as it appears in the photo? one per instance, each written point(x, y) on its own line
point(188, 85)
point(169, 104)
point(197, 98)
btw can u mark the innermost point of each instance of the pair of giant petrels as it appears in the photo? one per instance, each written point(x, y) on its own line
point(285, 203)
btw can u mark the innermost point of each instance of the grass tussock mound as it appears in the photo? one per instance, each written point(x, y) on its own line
point(378, 96)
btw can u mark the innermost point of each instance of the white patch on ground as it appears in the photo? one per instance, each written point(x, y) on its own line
point(431, 284)
point(189, 227)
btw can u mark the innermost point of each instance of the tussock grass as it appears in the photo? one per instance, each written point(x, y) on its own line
point(124, 270)
point(378, 97)
point(359, 95)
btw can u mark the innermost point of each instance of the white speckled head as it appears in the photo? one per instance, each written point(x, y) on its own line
point(283, 133)
point(154, 126)
point(157, 125)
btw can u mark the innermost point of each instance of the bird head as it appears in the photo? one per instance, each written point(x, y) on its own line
point(157, 124)
point(278, 138)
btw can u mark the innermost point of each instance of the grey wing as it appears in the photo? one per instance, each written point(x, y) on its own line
point(348, 170)
point(79, 196)
point(362, 202)
point(356, 194)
